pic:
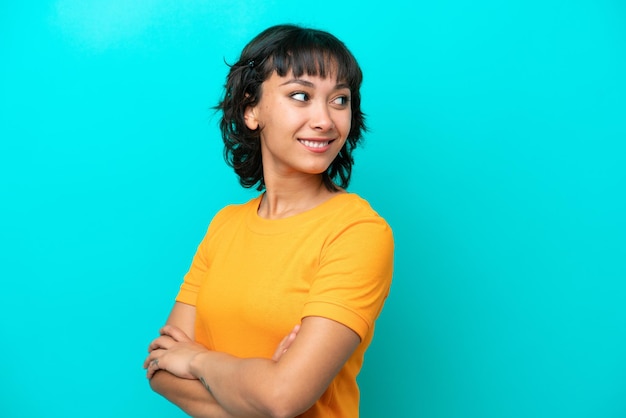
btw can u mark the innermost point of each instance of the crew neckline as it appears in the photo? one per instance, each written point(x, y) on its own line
point(277, 226)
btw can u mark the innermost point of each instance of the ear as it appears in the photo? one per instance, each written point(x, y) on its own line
point(250, 118)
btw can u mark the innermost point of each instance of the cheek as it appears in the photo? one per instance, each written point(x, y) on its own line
point(346, 123)
point(277, 113)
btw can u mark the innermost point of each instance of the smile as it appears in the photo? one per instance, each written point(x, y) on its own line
point(314, 144)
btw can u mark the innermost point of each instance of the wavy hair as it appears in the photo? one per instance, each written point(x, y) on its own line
point(281, 49)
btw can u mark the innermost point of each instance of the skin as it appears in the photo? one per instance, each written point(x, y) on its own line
point(304, 123)
point(290, 112)
point(190, 394)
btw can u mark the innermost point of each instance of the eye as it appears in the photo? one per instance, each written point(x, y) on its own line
point(299, 96)
point(341, 100)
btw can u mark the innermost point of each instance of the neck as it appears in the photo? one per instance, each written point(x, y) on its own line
point(289, 197)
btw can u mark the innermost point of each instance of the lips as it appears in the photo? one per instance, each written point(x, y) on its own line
point(319, 144)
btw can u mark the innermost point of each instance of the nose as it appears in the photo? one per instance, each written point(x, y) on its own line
point(321, 118)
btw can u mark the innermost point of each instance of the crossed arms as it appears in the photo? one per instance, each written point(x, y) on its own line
point(207, 383)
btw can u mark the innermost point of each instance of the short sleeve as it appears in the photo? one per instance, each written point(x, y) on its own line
point(354, 275)
point(198, 270)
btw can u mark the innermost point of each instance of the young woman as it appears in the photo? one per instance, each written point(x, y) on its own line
point(278, 307)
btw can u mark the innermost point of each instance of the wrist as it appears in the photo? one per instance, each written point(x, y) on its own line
point(198, 363)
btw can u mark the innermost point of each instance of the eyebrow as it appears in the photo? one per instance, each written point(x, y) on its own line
point(305, 83)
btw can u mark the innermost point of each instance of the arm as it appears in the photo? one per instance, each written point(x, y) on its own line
point(263, 387)
point(189, 394)
point(292, 384)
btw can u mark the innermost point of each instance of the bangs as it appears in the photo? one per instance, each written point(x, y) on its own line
point(315, 55)
point(313, 63)
point(284, 49)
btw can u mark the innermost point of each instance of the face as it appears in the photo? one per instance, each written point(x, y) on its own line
point(304, 123)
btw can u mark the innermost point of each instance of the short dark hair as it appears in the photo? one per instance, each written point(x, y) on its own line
point(281, 49)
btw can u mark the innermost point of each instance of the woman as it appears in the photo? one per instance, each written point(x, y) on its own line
point(304, 259)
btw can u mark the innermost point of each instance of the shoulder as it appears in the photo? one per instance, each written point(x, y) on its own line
point(351, 208)
point(236, 209)
point(233, 214)
point(351, 204)
point(352, 216)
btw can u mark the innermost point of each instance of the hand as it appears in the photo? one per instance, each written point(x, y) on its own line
point(286, 343)
point(172, 351)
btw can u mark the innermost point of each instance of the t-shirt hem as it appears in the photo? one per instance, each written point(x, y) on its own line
point(339, 313)
point(187, 296)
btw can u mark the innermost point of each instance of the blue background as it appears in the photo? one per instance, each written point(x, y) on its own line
point(497, 153)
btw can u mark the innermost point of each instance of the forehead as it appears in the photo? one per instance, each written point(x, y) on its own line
point(306, 80)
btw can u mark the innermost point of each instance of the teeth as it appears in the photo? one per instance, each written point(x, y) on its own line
point(314, 144)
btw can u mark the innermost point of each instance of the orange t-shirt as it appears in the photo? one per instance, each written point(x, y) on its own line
point(252, 279)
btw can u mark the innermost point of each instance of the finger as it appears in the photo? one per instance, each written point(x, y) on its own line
point(152, 356)
point(153, 364)
point(286, 343)
point(176, 333)
point(292, 336)
point(289, 340)
point(280, 349)
point(153, 367)
point(162, 342)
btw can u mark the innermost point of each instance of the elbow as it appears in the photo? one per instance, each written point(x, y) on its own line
point(156, 382)
point(283, 410)
point(288, 403)
point(283, 413)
